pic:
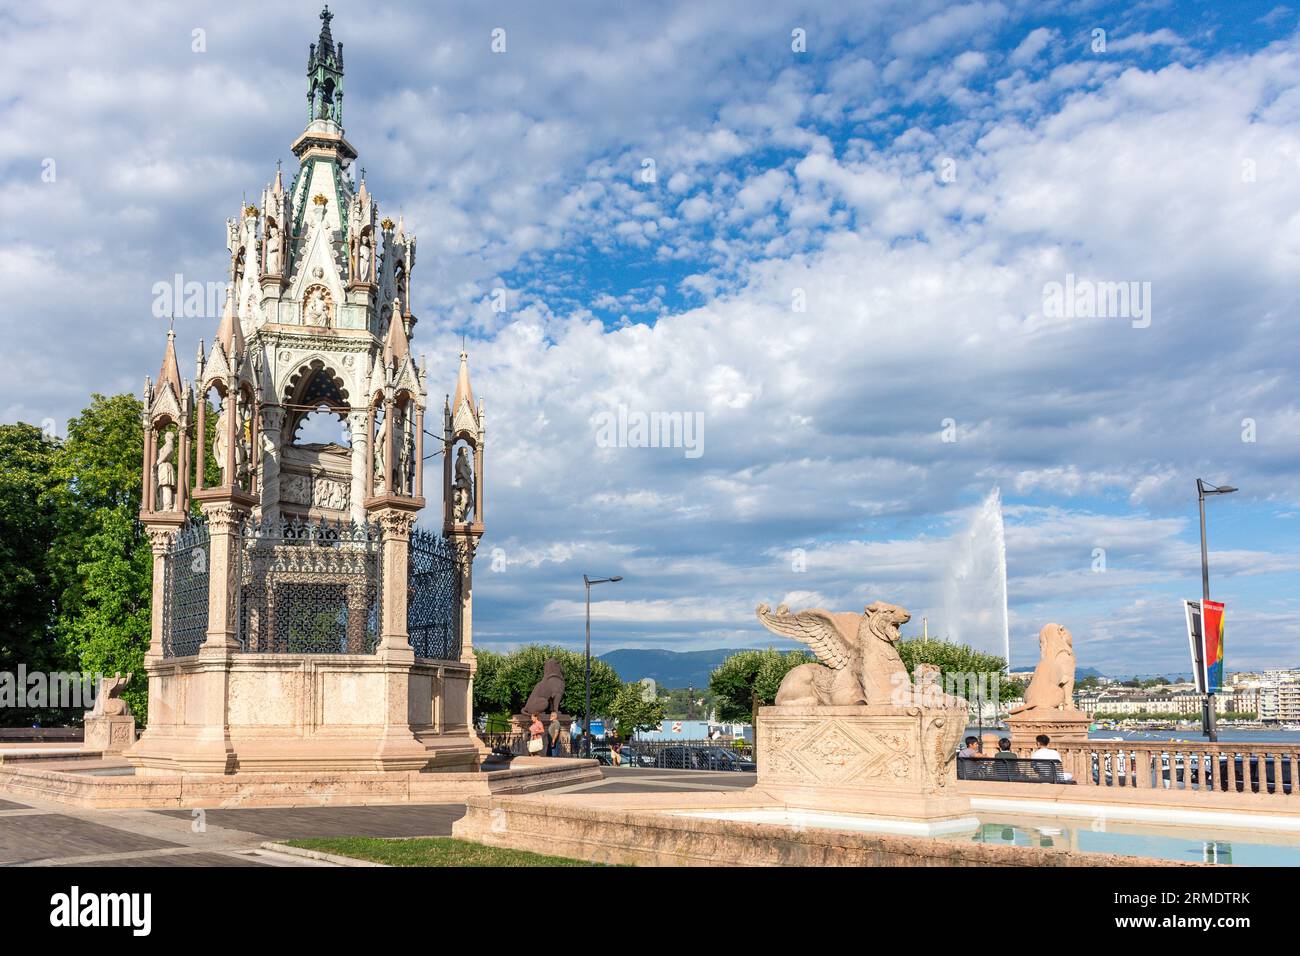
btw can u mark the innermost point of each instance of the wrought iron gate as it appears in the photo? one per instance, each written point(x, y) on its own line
point(310, 588)
point(185, 591)
point(433, 598)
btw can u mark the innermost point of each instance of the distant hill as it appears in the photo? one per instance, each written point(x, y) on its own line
point(670, 669)
point(674, 669)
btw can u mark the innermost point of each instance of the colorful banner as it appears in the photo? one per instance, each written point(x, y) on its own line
point(1212, 618)
point(1205, 641)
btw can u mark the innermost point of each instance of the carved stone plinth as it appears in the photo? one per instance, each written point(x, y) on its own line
point(1062, 726)
point(895, 763)
point(110, 735)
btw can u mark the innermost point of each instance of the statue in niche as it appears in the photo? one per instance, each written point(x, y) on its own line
point(272, 245)
point(316, 308)
point(165, 475)
point(405, 454)
point(462, 487)
point(365, 257)
point(243, 443)
point(381, 451)
point(219, 441)
point(409, 466)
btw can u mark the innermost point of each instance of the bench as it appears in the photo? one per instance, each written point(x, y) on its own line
point(1005, 770)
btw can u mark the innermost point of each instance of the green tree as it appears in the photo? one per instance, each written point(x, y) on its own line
point(504, 681)
point(748, 680)
point(102, 562)
point(961, 667)
point(631, 712)
point(28, 593)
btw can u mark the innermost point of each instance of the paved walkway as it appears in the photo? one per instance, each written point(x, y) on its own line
point(42, 833)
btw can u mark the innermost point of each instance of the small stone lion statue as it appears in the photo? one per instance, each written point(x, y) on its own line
point(1052, 686)
point(109, 702)
point(858, 653)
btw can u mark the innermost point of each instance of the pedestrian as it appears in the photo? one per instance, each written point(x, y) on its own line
point(535, 731)
point(553, 731)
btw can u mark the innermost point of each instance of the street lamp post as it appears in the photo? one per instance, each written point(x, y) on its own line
point(1207, 707)
point(586, 723)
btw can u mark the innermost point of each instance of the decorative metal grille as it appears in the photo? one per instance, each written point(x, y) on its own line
point(185, 591)
point(310, 588)
point(433, 598)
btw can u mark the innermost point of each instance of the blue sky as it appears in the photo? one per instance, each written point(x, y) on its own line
point(917, 176)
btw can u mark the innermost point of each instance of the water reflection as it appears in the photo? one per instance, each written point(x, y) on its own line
point(1135, 840)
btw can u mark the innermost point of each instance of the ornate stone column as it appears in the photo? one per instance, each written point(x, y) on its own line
point(272, 425)
point(396, 524)
point(359, 426)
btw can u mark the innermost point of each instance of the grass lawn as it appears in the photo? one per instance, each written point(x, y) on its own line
point(430, 851)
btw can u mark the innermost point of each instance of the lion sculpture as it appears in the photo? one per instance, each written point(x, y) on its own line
point(858, 653)
point(1052, 686)
point(549, 691)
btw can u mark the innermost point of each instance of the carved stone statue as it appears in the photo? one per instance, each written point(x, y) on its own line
point(1052, 686)
point(165, 475)
point(462, 487)
point(858, 654)
point(219, 440)
point(109, 726)
point(108, 702)
point(405, 454)
point(316, 307)
point(365, 257)
point(381, 454)
point(548, 693)
point(271, 243)
point(243, 439)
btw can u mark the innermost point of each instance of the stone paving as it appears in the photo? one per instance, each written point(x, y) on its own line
point(42, 833)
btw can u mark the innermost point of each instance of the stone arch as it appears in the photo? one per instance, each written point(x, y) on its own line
point(314, 383)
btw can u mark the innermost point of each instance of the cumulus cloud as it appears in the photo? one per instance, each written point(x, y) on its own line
point(840, 264)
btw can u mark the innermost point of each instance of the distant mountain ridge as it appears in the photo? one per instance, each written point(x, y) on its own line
point(676, 669)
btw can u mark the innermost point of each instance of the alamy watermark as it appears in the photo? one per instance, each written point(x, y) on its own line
point(1086, 299)
point(636, 429)
point(71, 690)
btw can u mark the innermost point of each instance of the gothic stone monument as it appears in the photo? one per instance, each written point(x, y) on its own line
point(852, 734)
point(1049, 698)
point(301, 621)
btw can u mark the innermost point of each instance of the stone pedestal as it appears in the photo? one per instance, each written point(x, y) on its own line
point(519, 724)
point(896, 764)
point(110, 735)
point(1062, 726)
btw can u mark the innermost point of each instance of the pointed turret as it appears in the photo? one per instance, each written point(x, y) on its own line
point(171, 373)
point(230, 334)
point(464, 392)
point(397, 348)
